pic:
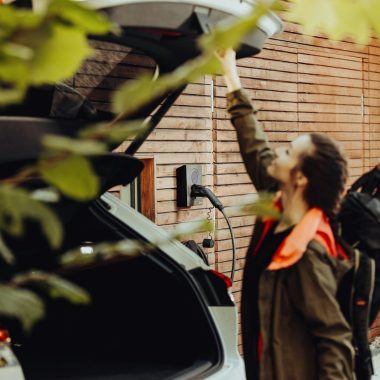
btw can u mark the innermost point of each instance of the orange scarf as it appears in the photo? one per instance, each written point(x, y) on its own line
point(313, 225)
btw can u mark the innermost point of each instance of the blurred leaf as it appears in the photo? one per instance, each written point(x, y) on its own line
point(372, 10)
point(137, 93)
point(338, 19)
point(71, 145)
point(58, 287)
point(13, 79)
point(17, 205)
point(191, 228)
point(12, 95)
point(102, 251)
point(5, 252)
point(314, 15)
point(16, 18)
point(44, 47)
point(261, 205)
point(59, 56)
point(115, 133)
point(17, 51)
point(22, 304)
point(230, 33)
point(129, 248)
point(90, 21)
point(74, 177)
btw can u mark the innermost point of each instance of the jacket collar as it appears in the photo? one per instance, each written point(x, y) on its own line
point(313, 225)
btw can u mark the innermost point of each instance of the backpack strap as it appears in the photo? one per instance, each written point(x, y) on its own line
point(368, 182)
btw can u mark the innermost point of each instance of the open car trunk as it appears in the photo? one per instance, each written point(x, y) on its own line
point(165, 31)
point(145, 320)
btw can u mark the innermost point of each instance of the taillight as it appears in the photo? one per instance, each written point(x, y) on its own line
point(216, 287)
point(4, 336)
point(161, 32)
point(225, 278)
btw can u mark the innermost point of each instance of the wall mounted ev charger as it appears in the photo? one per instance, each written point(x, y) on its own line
point(187, 176)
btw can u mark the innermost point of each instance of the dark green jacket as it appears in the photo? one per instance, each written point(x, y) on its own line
point(305, 336)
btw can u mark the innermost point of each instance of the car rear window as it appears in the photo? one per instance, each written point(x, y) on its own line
point(110, 66)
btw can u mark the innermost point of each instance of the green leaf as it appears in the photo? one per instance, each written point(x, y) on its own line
point(338, 19)
point(12, 95)
point(16, 205)
point(191, 228)
point(65, 144)
point(74, 177)
point(261, 205)
point(314, 15)
point(22, 304)
point(59, 56)
point(135, 94)
point(88, 20)
point(6, 253)
point(15, 18)
point(103, 251)
point(372, 10)
point(230, 33)
point(58, 287)
point(13, 79)
point(44, 47)
point(115, 133)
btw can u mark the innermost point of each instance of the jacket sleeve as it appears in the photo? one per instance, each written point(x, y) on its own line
point(312, 288)
point(254, 147)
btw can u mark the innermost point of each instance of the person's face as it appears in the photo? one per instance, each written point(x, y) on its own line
point(287, 159)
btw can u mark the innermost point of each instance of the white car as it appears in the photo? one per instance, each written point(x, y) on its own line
point(164, 314)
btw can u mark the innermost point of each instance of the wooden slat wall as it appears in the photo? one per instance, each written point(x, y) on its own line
point(298, 83)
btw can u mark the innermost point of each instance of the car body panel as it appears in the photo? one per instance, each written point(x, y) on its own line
point(11, 369)
point(226, 320)
point(154, 234)
point(270, 24)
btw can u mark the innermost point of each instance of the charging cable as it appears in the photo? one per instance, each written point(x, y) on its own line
point(199, 191)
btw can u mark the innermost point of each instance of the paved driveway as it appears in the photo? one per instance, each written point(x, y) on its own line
point(376, 363)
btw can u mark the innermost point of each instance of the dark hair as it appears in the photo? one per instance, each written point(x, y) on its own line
point(326, 170)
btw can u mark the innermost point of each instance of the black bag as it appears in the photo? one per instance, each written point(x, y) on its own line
point(360, 214)
point(359, 289)
point(359, 220)
point(354, 296)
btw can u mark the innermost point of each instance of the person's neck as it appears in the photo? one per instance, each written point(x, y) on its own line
point(294, 207)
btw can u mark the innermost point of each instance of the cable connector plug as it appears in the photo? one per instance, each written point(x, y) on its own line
point(199, 191)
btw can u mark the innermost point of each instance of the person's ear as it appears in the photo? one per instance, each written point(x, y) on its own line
point(301, 180)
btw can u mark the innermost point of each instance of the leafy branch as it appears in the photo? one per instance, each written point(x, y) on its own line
point(338, 19)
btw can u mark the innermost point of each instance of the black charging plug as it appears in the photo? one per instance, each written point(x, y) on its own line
point(199, 191)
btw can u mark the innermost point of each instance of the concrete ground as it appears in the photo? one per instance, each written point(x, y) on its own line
point(376, 362)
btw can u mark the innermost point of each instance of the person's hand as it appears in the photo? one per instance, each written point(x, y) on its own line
point(227, 58)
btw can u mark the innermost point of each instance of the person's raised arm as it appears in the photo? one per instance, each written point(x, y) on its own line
point(254, 147)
